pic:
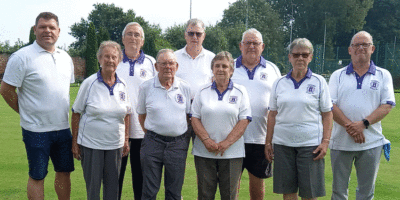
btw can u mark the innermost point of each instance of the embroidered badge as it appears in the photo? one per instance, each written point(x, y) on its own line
point(179, 99)
point(263, 76)
point(310, 89)
point(233, 99)
point(143, 73)
point(374, 84)
point(122, 96)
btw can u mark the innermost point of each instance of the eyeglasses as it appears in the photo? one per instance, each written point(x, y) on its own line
point(297, 55)
point(198, 34)
point(135, 35)
point(256, 44)
point(164, 64)
point(363, 45)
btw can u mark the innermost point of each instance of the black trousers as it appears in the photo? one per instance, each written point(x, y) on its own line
point(137, 176)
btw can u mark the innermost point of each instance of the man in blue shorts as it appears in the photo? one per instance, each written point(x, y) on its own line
point(42, 74)
point(257, 75)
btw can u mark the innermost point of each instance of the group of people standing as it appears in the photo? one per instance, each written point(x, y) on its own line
point(240, 113)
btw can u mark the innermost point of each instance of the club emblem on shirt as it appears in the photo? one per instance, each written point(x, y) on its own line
point(233, 99)
point(310, 89)
point(374, 84)
point(263, 76)
point(143, 73)
point(179, 99)
point(122, 96)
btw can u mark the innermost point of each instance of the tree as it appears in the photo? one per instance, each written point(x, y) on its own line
point(102, 35)
point(175, 35)
point(32, 36)
point(260, 16)
point(383, 21)
point(341, 18)
point(114, 19)
point(215, 39)
point(91, 50)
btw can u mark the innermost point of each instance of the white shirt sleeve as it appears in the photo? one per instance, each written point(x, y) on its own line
point(72, 72)
point(15, 71)
point(333, 86)
point(141, 101)
point(387, 94)
point(82, 96)
point(245, 109)
point(273, 98)
point(196, 105)
point(325, 102)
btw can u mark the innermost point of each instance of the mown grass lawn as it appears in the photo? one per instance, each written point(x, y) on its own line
point(14, 166)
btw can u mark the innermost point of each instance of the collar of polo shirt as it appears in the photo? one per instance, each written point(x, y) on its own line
point(40, 49)
point(239, 63)
point(308, 74)
point(371, 70)
point(140, 60)
point(200, 54)
point(175, 84)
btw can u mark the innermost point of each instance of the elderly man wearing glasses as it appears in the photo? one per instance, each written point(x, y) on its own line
point(362, 95)
point(163, 108)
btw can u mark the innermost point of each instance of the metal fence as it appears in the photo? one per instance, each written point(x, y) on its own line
point(386, 56)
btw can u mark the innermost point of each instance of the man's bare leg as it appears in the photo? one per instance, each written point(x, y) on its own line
point(35, 189)
point(62, 185)
point(257, 188)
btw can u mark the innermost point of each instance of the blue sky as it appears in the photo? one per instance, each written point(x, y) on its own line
point(17, 16)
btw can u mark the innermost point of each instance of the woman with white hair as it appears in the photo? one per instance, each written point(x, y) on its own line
point(299, 127)
point(100, 124)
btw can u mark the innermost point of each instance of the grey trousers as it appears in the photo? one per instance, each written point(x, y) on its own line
point(366, 164)
point(211, 172)
point(101, 165)
point(158, 151)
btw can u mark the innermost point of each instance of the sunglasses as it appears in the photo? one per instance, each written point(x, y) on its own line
point(198, 34)
point(297, 55)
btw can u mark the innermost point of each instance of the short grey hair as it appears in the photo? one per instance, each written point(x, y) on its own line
point(164, 51)
point(112, 44)
point(133, 24)
point(194, 22)
point(252, 31)
point(224, 55)
point(362, 33)
point(301, 42)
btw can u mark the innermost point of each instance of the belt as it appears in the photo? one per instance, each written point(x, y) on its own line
point(165, 138)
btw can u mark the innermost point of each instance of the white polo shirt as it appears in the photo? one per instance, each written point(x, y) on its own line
point(165, 110)
point(42, 80)
point(103, 110)
point(258, 84)
point(299, 105)
point(219, 113)
point(135, 72)
point(197, 72)
point(357, 97)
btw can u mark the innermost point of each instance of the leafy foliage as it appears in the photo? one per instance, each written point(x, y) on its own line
point(92, 65)
point(32, 36)
point(383, 21)
point(108, 17)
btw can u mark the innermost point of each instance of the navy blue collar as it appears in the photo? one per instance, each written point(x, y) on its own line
point(100, 78)
point(371, 70)
point(230, 85)
point(239, 63)
point(308, 74)
point(140, 60)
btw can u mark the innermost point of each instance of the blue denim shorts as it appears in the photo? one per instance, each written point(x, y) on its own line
point(42, 145)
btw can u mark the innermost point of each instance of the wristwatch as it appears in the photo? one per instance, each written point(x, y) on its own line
point(366, 123)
